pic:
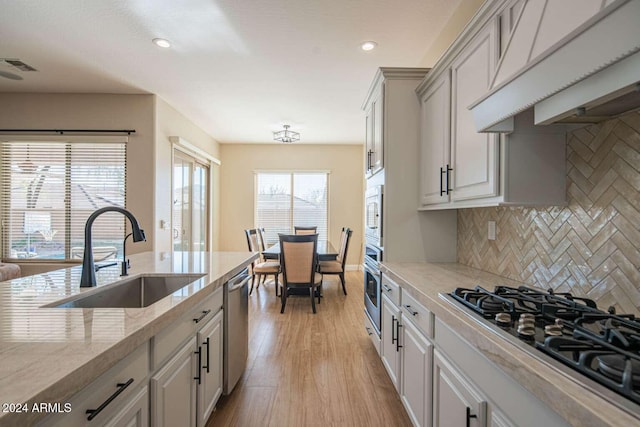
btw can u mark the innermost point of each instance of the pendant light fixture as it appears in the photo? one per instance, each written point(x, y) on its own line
point(286, 136)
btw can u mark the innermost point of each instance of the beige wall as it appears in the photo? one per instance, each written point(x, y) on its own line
point(452, 29)
point(346, 187)
point(148, 151)
point(170, 122)
point(98, 111)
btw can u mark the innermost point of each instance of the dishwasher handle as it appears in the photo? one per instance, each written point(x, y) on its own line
point(242, 282)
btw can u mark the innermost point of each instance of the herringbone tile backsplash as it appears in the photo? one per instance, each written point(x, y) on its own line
point(590, 247)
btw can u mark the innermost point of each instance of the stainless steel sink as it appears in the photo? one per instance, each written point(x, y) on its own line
point(138, 292)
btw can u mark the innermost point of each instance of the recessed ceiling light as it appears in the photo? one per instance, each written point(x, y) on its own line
point(162, 42)
point(368, 45)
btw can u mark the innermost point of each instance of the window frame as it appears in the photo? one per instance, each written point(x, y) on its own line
point(292, 173)
point(5, 243)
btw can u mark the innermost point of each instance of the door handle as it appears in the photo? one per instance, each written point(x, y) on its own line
point(469, 416)
point(442, 172)
point(449, 169)
point(199, 376)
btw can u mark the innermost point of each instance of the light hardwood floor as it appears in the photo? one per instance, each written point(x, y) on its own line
point(311, 370)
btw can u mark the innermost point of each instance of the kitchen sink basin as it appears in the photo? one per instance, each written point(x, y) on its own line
point(137, 292)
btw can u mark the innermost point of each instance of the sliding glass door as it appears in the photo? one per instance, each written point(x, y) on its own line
point(190, 203)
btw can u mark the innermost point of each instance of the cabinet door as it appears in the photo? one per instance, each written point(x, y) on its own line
point(173, 390)
point(434, 141)
point(135, 413)
point(374, 137)
point(390, 344)
point(455, 401)
point(475, 155)
point(417, 357)
point(210, 387)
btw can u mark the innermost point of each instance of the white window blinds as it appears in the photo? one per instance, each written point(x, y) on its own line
point(288, 199)
point(49, 189)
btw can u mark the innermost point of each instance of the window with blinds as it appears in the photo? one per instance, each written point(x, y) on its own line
point(288, 199)
point(49, 189)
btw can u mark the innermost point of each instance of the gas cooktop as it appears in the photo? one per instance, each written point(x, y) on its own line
point(602, 345)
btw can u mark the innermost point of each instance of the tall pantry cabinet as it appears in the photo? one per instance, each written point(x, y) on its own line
point(392, 110)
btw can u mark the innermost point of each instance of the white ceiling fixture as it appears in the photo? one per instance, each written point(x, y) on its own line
point(161, 42)
point(368, 45)
point(286, 135)
point(230, 70)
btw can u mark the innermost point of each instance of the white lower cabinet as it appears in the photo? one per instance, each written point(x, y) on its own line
point(135, 413)
point(210, 386)
point(417, 360)
point(390, 348)
point(173, 390)
point(456, 402)
point(187, 385)
point(119, 397)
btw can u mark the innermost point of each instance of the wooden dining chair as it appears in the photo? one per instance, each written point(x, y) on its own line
point(260, 267)
point(299, 230)
point(337, 266)
point(298, 261)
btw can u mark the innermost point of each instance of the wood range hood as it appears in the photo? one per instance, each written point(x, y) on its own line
point(571, 61)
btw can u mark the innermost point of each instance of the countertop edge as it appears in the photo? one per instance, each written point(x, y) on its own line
point(561, 393)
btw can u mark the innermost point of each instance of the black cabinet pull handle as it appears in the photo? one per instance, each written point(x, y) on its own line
point(413, 313)
point(369, 164)
point(398, 326)
point(368, 330)
point(386, 288)
point(393, 328)
point(94, 412)
point(208, 351)
point(469, 416)
point(204, 313)
point(199, 376)
point(441, 173)
point(448, 170)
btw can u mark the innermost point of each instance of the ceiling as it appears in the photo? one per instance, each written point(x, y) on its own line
point(239, 69)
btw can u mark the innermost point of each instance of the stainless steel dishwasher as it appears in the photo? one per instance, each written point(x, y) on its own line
point(236, 329)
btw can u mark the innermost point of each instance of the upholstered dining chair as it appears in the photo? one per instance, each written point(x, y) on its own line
point(260, 267)
point(337, 266)
point(298, 262)
point(299, 230)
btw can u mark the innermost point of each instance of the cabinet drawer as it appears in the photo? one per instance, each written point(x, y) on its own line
point(168, 340)
point(132, 370)
point(418, 314)
point(391, 289)
point(371, 330)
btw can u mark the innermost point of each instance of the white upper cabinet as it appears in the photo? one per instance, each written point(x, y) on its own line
point(475, 155)
point(374, 139)
point(463, 168)
point(434, 146)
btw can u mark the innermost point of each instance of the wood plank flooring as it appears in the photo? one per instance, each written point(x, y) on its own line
point(311, 370)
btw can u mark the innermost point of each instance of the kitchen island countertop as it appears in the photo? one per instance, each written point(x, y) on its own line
point(566, 395)
point(48, 354)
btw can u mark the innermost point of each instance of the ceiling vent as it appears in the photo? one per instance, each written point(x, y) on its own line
point(18, 64)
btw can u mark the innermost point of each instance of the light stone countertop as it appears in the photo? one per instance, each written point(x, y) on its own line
point(48, 354)
point(539, 374)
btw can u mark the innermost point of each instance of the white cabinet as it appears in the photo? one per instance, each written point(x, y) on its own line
point(210, 386)
point(173, 390)
point(417, 360)
point(461, 168)
point(435, 137)
point(135, 413)
point(458, 163)
point(188, 366)
point(118, 397)
point(374, 109)
point(456, 402)
point(475, 156)
point(390, 348)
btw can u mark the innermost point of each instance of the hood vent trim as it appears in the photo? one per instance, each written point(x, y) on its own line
point(594, 63)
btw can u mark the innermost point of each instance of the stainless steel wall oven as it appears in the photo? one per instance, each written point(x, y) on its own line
point(372, 279)
point(373, 216)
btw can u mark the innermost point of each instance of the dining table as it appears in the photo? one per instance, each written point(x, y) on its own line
point(324, 249)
